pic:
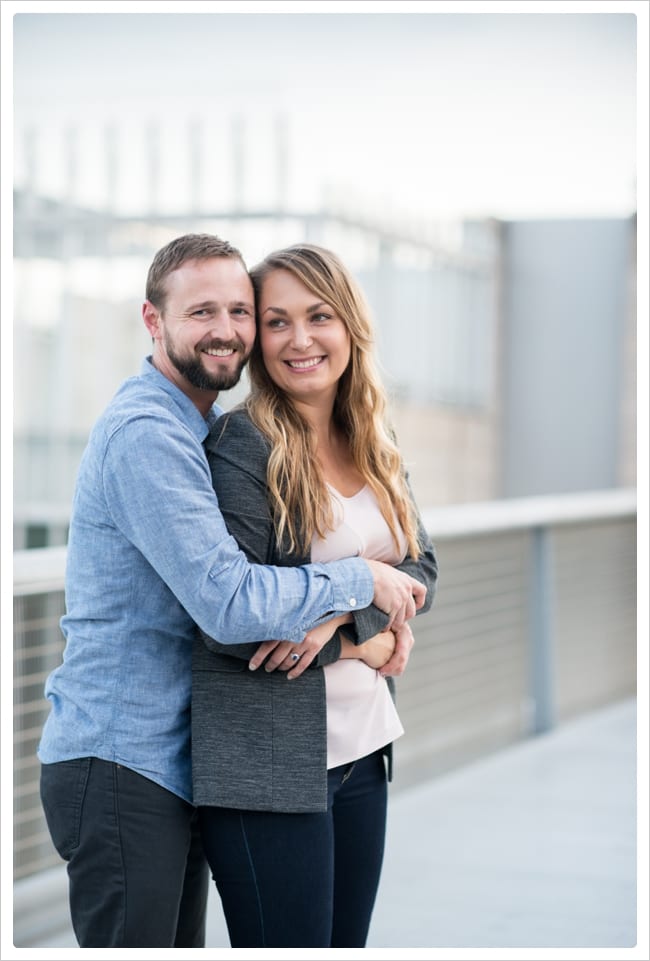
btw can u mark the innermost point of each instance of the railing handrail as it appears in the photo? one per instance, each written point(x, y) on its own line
point(488, 517)
point(42, 569)
point(39, 570)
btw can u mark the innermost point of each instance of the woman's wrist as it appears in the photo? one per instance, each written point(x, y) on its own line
point(348, 649)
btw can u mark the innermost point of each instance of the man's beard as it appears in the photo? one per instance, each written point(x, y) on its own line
point(192, 369)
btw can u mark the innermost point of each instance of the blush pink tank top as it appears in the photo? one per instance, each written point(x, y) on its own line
point(361, 715)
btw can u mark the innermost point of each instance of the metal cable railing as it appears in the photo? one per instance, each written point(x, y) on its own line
point(534, 622)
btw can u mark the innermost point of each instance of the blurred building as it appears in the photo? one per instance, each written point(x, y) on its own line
point(569, 390)
point(509, 354)
point(507, 348)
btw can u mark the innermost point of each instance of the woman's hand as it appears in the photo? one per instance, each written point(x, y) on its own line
point(387, 652)
point(404, 642)
point(296, 658)
point(375, 652)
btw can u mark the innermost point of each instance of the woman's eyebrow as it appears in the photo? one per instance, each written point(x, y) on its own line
point(281, 310)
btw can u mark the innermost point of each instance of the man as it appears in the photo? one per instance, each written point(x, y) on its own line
point(149, 557)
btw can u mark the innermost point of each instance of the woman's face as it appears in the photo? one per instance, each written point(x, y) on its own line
point(305, 344)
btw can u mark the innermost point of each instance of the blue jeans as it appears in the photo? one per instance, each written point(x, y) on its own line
point(302, 880)
point(138, 875)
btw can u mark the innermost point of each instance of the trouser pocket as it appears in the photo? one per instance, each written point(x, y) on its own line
point(63, 787)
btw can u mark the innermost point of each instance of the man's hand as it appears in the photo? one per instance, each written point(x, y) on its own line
point(396, 593)
point(296, 658)
point(397, 664)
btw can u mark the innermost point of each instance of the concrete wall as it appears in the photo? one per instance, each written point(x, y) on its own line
point(568, 305)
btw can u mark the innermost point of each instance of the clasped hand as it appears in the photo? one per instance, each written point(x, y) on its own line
point(387, 652)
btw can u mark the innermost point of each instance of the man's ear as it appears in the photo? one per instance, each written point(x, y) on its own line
point(151, 317)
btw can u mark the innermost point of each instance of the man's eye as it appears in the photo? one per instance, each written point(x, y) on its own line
point(241, 311)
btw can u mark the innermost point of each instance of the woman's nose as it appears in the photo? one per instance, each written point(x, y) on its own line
point(301, 337)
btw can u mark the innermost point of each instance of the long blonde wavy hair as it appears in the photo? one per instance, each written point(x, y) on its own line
point(299, 498)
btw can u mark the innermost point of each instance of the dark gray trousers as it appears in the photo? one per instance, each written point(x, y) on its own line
point(138, 875)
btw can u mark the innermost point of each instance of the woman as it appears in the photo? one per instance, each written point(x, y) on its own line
point(290, 776)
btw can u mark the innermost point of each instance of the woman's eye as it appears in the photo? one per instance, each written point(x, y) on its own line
point(320, 317)
point(276, 323)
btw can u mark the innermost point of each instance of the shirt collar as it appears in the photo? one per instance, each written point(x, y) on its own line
point(199, 424)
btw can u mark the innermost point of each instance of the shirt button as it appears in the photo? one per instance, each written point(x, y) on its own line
point(353, 602)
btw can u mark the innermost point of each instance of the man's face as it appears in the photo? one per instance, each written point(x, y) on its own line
point(205, 331)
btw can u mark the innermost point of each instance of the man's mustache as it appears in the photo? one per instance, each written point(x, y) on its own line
point(212, 344)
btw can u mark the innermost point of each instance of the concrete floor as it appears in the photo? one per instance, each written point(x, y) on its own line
point(533, 847)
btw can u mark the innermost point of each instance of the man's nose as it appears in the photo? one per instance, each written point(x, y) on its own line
point(222, 326)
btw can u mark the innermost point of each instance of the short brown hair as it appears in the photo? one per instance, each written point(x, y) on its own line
point(177, 252)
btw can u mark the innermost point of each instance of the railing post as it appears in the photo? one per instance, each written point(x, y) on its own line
point(542, 661)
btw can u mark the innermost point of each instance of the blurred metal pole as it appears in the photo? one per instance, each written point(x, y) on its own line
point(238, 162)
point(112, 168)
point(30, 147)
point(196, 165)
point(25, 229)
point(388, 315)
point(542, 631)
point(282, 163)
point(71, 164)
point(153, 147)
point(70, 232)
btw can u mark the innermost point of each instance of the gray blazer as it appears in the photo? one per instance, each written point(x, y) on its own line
point(259, 741)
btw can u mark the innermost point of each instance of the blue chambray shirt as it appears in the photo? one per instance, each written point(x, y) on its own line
point(148, 557)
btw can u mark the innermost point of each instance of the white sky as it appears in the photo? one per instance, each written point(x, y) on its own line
point(428, 113)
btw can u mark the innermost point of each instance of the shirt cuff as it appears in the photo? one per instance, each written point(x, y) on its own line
point(352, 585)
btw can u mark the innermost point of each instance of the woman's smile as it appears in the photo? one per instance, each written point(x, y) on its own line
point(309, 363)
